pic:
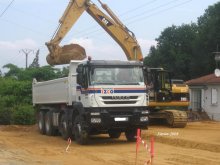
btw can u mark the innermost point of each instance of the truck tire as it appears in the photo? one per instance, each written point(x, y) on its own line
point(41, 122)
point(80, 133)
point(131, 135)
point(49, 128)
point(114, 134)
point(64, 128)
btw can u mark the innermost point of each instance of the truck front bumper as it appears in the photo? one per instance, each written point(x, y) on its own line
point(120, 118)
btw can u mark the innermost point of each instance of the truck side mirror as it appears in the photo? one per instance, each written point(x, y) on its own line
point(80, 79)
point(82, 76)
point(79, 69)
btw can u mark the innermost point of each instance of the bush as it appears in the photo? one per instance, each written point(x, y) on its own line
point(23, 114)
point(5, 116)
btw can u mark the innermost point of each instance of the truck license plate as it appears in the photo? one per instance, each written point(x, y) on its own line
point(121, 119)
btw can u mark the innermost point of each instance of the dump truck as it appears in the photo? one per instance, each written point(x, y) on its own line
point(97, 97)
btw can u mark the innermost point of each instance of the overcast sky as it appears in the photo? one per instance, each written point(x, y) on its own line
point(28, 24)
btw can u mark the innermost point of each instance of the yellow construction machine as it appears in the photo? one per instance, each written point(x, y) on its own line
point(167, 100)
point(161, 96)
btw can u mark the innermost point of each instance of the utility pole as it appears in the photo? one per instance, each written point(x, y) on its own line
point(26, 52)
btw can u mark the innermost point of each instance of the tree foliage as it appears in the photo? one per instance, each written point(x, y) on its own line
point(16, 92)
point(35, 63)
point(186, 50)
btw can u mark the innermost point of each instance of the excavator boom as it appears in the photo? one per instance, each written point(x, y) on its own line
point(111, 24)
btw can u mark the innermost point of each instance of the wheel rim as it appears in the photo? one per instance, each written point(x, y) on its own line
point(63, 125)
point(47, 124)
point(40, 122)
point(79, 128)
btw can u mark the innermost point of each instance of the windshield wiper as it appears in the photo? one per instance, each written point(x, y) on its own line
point(127, 83)
point(104, 83)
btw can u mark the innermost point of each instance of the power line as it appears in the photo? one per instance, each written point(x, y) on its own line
point(158, 12)
point(92, 30)
point(140, 18)
point(154, 9)
point(6, 8)
point(25, 27)
point(120, 15)
point(137, 8)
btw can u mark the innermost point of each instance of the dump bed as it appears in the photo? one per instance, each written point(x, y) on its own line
point(50, 92)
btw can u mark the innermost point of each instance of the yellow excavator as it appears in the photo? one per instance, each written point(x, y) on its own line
point(167, 100)
point(161, 101)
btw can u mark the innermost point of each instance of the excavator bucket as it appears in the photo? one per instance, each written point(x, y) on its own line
point(67, 53)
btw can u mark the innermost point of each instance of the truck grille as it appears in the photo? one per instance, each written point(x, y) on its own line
point(119, 99)
point(120, 102)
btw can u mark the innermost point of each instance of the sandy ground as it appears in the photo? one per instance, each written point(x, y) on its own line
point(198, 143)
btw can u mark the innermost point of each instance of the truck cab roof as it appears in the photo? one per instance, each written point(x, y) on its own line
point(113, 63)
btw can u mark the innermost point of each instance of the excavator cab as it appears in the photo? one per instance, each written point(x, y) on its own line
point(158, 82)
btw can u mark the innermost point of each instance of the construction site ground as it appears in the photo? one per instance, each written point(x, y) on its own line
point(197, 144)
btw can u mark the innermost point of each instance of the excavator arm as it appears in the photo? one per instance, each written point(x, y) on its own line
point(114, 27)
point(111, 24)
point(63, 55)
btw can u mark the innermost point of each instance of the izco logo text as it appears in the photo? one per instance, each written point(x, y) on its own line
point(107, 91)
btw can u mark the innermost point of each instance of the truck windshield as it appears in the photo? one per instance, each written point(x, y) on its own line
point(116, 76)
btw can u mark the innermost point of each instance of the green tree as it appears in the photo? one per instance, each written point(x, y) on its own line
point(13, 70)
point(35, 63)
point(174, 50)
point(187, 49)
point(207, 41)
point(16, 92)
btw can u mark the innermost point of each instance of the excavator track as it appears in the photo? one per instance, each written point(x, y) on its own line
point(176, 118)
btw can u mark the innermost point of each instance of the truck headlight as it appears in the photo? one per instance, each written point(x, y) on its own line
point(96, 120)
point(144, 118)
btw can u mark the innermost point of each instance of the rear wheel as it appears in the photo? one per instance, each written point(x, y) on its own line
point(41, 122)
point(49, 128)
point(64, 128)
point(81, 134)
point(131, 135)
point(114, 134)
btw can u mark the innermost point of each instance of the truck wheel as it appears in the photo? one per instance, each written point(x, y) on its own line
point(114, 134)
point(81, 135)
point(64, 128)
point(49, 129)
point(131, 135)
point(41, 122)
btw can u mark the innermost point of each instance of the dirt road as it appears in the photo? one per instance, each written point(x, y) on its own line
point(198, 143)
